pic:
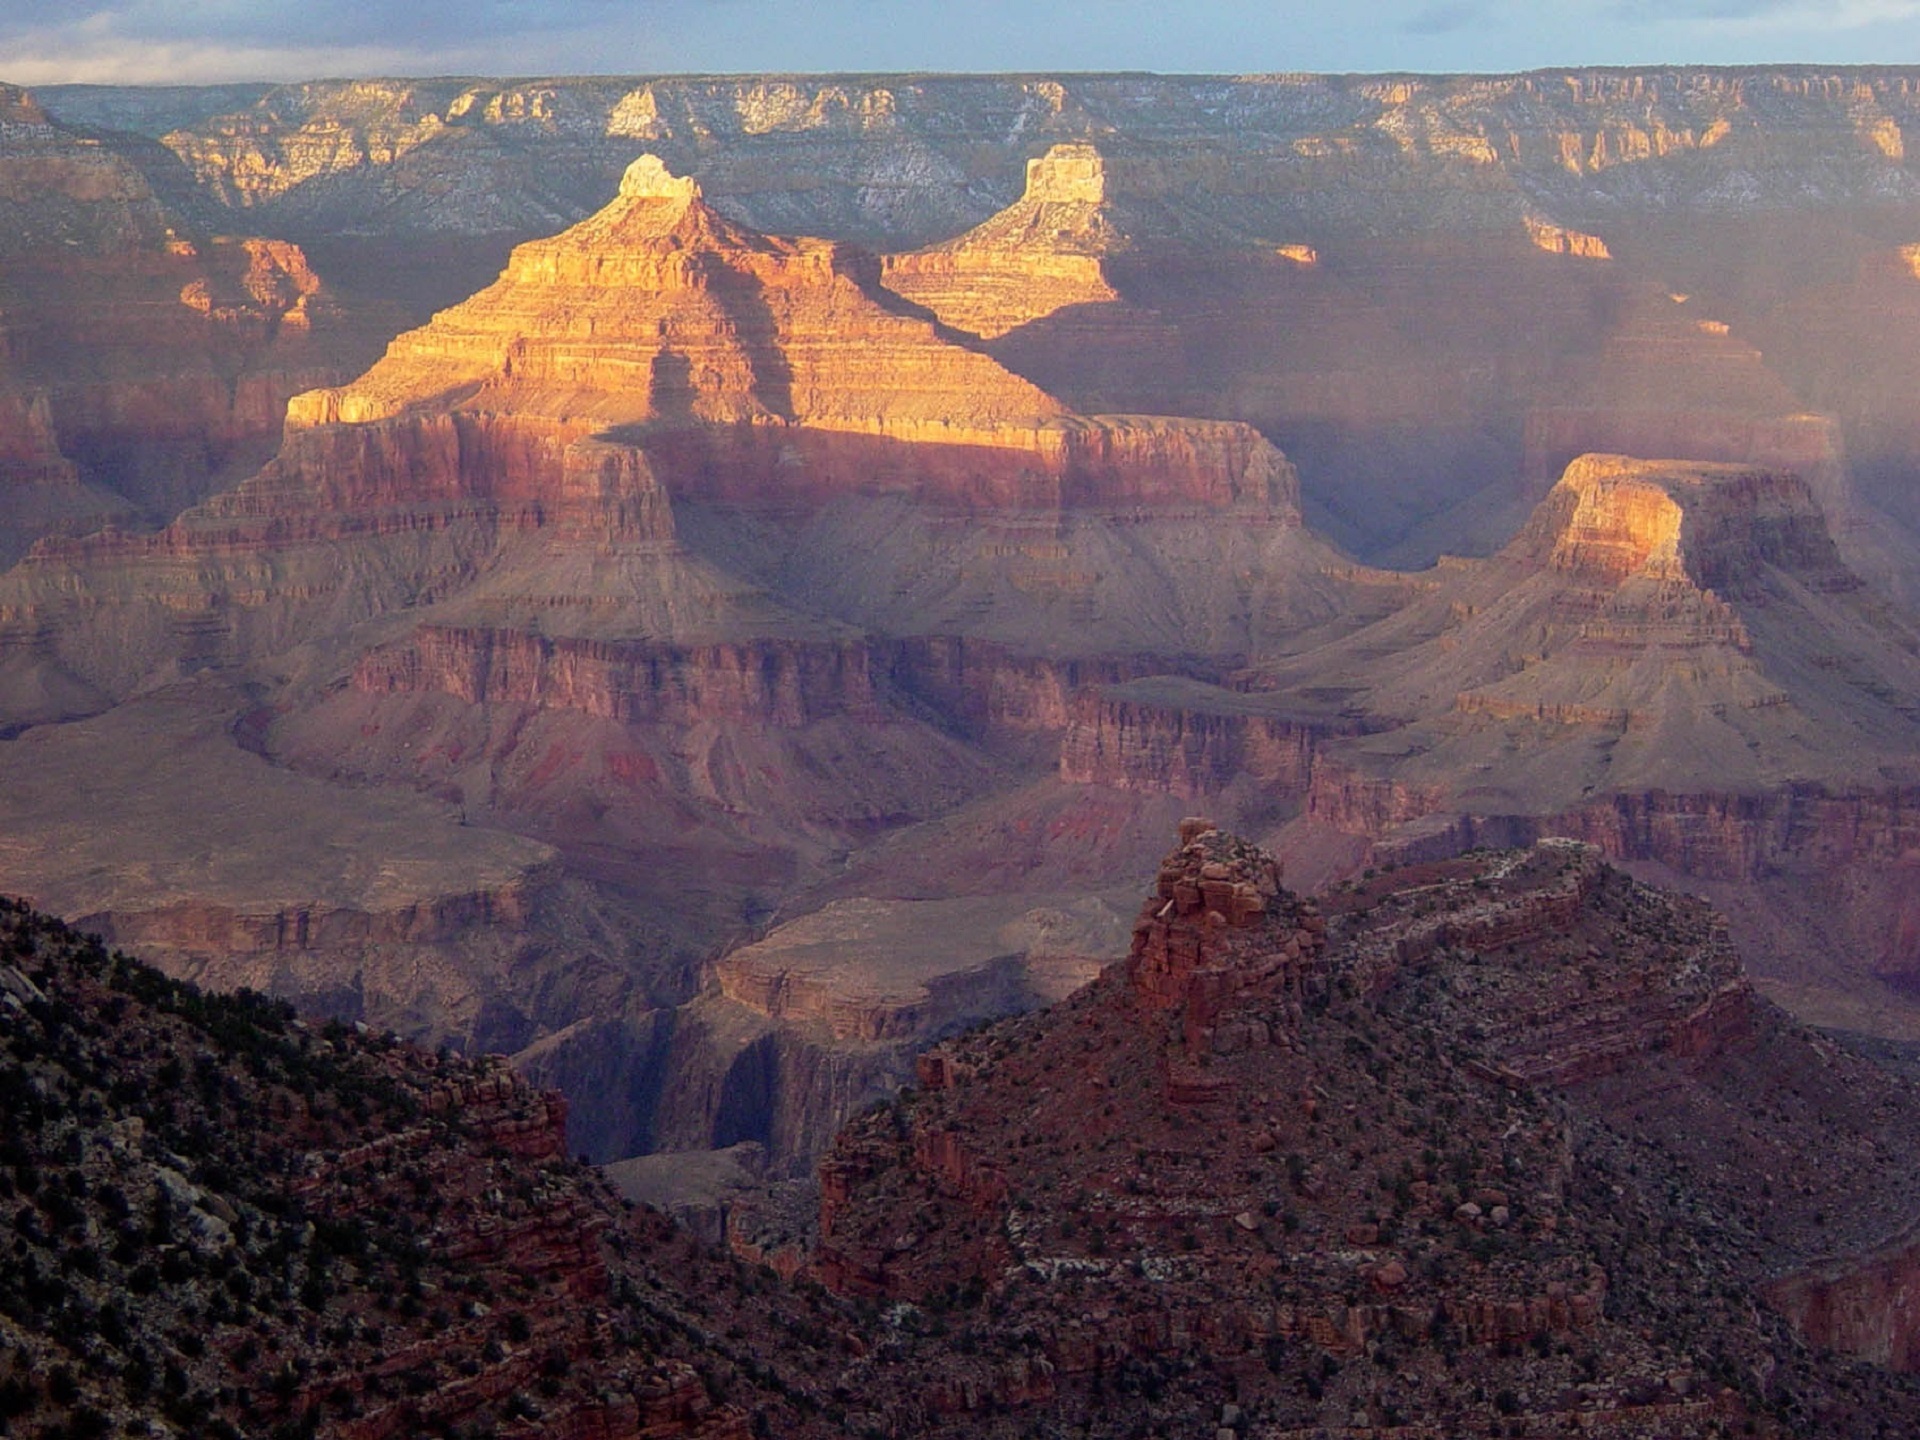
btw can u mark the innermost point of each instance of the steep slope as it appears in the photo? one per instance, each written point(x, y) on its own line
point(1504, 1141)
point(226, 1223)
point(1396, 1162)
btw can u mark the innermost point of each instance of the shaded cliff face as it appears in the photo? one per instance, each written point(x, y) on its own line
point(1040, 255)
point(142, 365)
point(1226, 1158)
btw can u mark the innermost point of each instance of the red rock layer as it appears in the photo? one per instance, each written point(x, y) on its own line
point(1867, 1306)
point(1187, 741)
point(1218, 923)
point(632, 681)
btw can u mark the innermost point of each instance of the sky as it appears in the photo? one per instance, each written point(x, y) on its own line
point(45, 42)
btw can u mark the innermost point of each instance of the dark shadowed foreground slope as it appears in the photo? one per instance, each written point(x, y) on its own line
point(1504, 1145)
point(220, 1222)
point(1501, 1146)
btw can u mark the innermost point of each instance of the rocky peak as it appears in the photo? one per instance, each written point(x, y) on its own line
point(1067, 175)
point(649, 179)
point(658, 308)
point(1219, 921)
point(1512, 1151)
point(1041, 254)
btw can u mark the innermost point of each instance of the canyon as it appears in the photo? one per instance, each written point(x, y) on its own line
point(710, 586)
point(1463, 1147)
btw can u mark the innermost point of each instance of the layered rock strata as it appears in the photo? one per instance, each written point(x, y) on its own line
point(899, 159)
point(1664, 662)
point(1044, 253)
point(140, 364)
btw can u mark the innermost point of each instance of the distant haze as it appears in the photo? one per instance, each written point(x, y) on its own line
point(44, 42)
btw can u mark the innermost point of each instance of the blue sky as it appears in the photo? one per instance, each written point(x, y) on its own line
point(135, 41)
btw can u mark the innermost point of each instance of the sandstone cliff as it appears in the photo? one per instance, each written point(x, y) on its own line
point(1456, 227)
point(899, 157)
point(1042, 254)
point(1665, 660)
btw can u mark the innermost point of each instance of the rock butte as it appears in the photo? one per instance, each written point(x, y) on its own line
point(578, 559)
point(1042, 254)
point(1664, 661)
point(139, 369)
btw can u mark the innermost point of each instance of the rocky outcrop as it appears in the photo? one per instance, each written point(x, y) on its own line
point(635, 682)
point(996, 691)
point(1806, 445)
point(1662, 662)
point(1043, 254)
point(1219, 923)
point(1558, 240)
point(1606, 1008)
point(1858, 1305)
point(1643, 602)
point(871, 970)
point(1270, 1205)
point(802, 975)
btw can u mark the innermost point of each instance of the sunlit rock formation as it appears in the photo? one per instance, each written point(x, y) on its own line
point(1042, 254)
